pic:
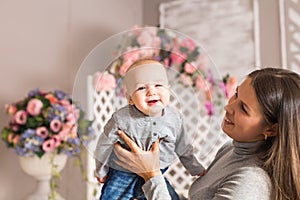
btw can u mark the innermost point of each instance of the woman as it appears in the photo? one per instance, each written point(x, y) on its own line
point(262, 161)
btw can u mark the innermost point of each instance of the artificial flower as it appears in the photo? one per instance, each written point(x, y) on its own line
point(181, 54)
point(44, 122)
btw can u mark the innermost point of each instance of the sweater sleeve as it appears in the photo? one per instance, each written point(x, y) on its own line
point(104, 148)
point(156, 189)
point(186, 154)
point(252, 183)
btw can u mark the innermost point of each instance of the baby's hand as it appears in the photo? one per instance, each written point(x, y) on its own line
point(202, 173)
point(101, 180)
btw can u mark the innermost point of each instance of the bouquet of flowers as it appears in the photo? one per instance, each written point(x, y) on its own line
point(46, 122)
point(176, 53)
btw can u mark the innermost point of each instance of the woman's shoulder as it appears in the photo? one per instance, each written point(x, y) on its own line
point(252, 180)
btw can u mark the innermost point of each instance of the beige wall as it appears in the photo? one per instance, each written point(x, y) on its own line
point(42, 44)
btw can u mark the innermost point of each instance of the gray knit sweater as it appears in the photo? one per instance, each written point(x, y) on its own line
point(233, 175)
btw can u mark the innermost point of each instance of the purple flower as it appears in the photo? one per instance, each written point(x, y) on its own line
point(34, 93)
point(60, 95)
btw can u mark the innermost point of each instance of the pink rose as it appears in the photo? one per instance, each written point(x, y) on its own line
point(10, 137)
point(65, 132)
point(148, 38)
point(104, 81)
point(49, 145)
point(201, 84)
point(231, 87)
point(34, 107)
point(189, 68)
point(186, 80)
point(10, 109)
point(57, 140)
point(20, 117)
point(124, 67)
point(16, 139)
point(178, 57)
point(55, 125)
point(189, 44)
point(42, 132)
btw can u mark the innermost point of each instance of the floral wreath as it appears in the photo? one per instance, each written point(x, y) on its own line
point(181, 54)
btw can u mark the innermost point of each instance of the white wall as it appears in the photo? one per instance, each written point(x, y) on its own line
point(42, 44)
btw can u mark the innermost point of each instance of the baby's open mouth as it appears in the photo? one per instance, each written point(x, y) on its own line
point(151, 102)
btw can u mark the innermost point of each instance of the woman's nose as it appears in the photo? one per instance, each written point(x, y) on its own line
point(230, 106)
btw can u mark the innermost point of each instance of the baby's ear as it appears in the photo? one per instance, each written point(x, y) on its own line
point(129, 99)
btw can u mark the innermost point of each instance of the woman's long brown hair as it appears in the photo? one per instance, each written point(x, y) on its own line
point(278, 92)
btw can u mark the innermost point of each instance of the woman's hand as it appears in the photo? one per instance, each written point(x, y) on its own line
point(143, 163)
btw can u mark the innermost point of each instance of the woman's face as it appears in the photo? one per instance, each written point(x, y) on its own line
point(243, 120)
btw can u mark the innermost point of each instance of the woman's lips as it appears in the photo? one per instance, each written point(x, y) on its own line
point(228, 121)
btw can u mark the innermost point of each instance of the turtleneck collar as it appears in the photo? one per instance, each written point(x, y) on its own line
point(247, 148)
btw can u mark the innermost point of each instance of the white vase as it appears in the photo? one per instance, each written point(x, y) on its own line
point(41, 170)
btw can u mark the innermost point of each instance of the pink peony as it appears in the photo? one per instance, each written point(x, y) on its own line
point(186, 80)
point(10, 137)
point(49, 145)
point(57, 140)
point(124, 68)
point(65, 132)
point(178, 57)
point(201, 84)
point(42, 132)
point(231, 87)
point(189, 44)
point(34, 107)
point(104, 81)
point(51, 98)
point(16, 139)
point(189, 68)
point(20, 117)
point(55, 125)
point(11, 109)
point(148, 38)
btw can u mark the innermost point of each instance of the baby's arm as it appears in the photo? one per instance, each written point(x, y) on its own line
point(103, 150)
point(101, 172)
point(185, 151)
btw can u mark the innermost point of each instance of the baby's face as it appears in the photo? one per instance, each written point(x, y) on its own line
point(151, 98)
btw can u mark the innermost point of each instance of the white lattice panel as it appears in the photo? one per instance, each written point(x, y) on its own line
point(204, 130)
point(290, 29)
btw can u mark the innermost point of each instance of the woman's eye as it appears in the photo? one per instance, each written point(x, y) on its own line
point(158, 85)
point(243, 108)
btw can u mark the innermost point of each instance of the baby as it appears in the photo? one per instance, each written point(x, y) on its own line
point(145, 119)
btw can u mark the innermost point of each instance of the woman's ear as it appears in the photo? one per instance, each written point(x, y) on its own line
point(271, 131)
